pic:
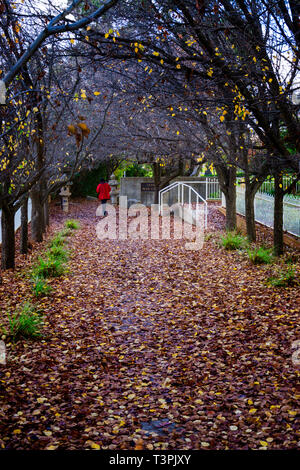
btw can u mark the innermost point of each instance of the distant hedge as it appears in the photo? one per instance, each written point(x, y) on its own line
point(85, 183)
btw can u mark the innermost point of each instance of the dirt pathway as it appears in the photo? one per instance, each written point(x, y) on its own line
point(152, 346)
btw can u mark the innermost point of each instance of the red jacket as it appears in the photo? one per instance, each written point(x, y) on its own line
point(103, 190)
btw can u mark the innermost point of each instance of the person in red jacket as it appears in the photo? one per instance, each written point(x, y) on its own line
point(103, 190)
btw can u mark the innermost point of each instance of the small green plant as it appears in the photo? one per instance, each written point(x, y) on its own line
point(40, 287)
point(67, 232)
point(208, 237)
point(25, 322)
point(58, 240)
point(215, 195)
point(291, 259)
point(72, 224)
point(57, 252)
point(260, 255)
point(233, 241)
point(49, 267)
point(285, 278)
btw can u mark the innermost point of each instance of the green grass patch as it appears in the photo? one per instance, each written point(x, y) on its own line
point(208, 237)
point(57, 252)
point(53, 262)
point(291, 259)
point(233, 241)
point(285, 278)
point(58, 240)
point(49, 267)
point(26, 322)
point(261, 255)
point(72, 224)
point(40, 287)
point(67, 232)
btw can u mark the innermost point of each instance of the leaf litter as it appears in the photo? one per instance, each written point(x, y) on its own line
point(150, 346)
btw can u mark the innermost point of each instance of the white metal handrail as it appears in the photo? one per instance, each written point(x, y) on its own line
point(181, 185)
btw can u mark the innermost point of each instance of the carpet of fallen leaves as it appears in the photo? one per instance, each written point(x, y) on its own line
point(150, 346)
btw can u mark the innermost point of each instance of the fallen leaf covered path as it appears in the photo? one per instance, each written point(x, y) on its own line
point(149, 345)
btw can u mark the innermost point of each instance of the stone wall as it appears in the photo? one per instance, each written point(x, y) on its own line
point(132, 188)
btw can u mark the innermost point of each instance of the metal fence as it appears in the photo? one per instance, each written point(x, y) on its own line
point(213, 190)
point(17, 218)
point(268, 186)
point(264, 210)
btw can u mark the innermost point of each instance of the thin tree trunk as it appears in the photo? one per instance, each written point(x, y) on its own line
point(24, 227)
point(227, 181)
point(230, 196)
point(156, 177)
point(278, 216)
point(44, 198)
point(8, 237)
point(46, 212)
point(250, 213)
point(37, 216)
point(38, 226)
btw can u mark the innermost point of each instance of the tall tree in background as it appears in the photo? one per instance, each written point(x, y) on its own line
point(249, 48)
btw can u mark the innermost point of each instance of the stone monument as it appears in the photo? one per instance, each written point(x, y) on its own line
point(65, 193)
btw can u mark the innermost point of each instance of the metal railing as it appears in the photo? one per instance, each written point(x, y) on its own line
point(212, 189)
point(267, 186)
point(179, 187)
point(264, 210)
point(17, 218)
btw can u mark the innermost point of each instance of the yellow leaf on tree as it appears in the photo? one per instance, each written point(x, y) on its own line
point(84, 128)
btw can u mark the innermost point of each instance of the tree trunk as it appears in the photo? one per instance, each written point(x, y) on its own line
point(230, 197)
point(8, 237)
point(24, 228)
point(156, 177)
point(46, 212)
point(227, 181)
point(44, 202)
point(38, 226)
point(37, 216)
point(250, 213)
point(278, 216)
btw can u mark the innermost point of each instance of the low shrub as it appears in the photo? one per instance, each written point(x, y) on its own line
point(233, 241)
point(291, 259)
point(67, 232)
point(72, 224)
point(285, 278)
point(208, 236)
point(57, 252)
point(49, 267)
point(260, 255)
point(40, 287)
point(58, 240)
point(25, 322)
